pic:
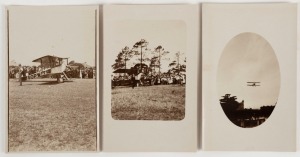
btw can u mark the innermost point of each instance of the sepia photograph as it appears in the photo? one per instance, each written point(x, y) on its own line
point(249, 77)
point(248, 80)
point(149, 71)
point(150, 55)
point(52, 78)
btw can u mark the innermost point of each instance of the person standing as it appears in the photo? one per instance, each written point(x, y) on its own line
point(133, 82)
point(20, 74)
point(80, 74)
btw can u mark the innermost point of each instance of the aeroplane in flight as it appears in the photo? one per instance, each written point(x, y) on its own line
point(253, 84)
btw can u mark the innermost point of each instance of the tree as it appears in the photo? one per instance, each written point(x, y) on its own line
point(161, 52)
point(178, 58)
point(175, 64)
point(118, 63)
point(140, 44)
point(144, 57)
point(122, 58)
point(126, 54)
point(72, 62)
point(153, 64)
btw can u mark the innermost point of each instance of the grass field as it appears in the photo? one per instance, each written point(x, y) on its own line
point(45, 116)
point(159, 102)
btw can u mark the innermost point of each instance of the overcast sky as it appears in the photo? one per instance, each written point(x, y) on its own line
point(61, 31)
point(246, 58)
point(170, 34)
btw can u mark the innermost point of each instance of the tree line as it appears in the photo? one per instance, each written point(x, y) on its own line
point(154, 57)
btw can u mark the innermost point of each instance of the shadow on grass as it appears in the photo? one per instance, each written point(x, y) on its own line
point(38, 81)
point(54, 83)
point(26, 84)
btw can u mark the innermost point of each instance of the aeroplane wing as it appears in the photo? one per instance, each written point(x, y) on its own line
point(253, 85)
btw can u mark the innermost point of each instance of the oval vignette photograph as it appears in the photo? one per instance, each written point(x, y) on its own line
point(248, 80)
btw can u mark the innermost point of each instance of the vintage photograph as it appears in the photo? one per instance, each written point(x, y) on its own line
point(149, 71)
point(248, 80)
point(249, 77)
point(150, 55)
point(52, 78)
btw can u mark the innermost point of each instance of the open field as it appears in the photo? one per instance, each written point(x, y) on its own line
point(46, 116)
point(159, 102)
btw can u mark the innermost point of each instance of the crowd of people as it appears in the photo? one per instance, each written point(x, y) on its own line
point(81, 73)
point(142, 79)
point(174, 79)
point(14, 71)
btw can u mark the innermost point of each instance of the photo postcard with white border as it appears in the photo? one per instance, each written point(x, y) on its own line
point(150, 59)
point(52, 84)
point(249, 77)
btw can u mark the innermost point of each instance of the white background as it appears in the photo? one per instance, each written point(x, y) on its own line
point(3, 79)
point(143, 135)
point(277, 26)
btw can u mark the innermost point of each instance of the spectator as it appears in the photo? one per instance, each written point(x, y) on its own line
point(21, 74)
point(133, 81)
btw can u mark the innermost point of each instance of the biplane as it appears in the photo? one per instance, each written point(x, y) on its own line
point(253, 84)
point(140, 72)
point(51, 66)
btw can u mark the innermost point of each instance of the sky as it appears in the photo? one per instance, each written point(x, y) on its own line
point(248, 57)
point(170, 34)
point(61, 31)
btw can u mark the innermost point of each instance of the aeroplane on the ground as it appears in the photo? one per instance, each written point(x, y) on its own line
point(254, 84)
point(51, 66)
